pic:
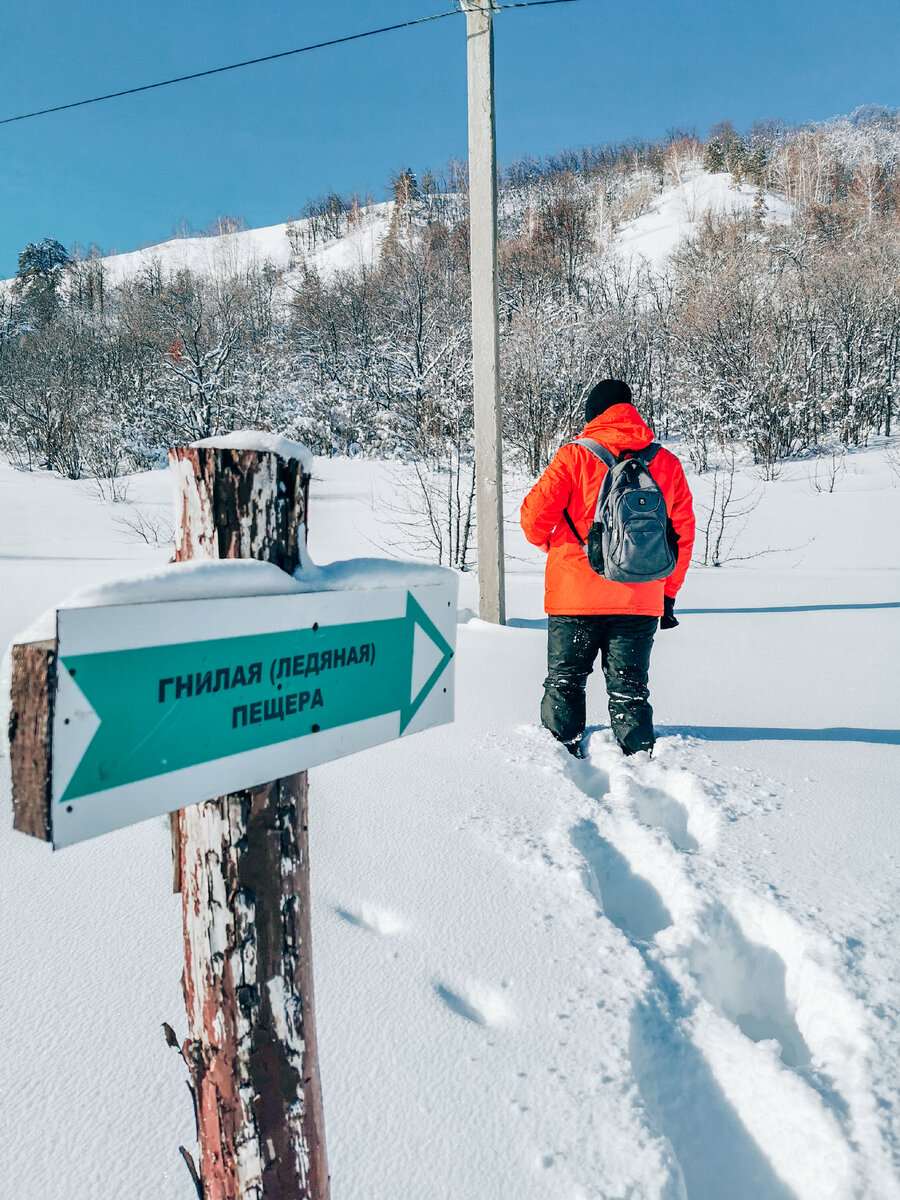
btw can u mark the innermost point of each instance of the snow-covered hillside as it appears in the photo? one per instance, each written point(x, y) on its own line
point(230, 252)
point(678, 211)
point(673, 214)
point(536, 979)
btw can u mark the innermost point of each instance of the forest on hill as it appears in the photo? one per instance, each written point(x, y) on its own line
point(767, 332)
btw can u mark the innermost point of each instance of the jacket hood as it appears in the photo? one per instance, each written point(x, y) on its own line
point(619, 428)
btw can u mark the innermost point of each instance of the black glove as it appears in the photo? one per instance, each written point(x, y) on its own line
point(668, 621)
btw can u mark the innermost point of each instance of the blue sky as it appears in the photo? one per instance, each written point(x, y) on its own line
point(260, 142)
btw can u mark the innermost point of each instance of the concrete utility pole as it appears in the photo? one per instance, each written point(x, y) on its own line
point(485, 326)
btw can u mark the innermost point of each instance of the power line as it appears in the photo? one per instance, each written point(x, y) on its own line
point(252, 62)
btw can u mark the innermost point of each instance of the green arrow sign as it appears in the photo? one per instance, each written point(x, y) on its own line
point(163, 708)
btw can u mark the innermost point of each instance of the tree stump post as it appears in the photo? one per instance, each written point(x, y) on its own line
point(244, 876)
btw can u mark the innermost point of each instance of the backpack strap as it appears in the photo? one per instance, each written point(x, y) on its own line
point(598, 451)
point(648, 453)
point(606, 457)
point(571, 525)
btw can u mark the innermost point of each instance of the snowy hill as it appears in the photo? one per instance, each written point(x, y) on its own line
point(672, 215)
point(232, 251)
point(536, 979)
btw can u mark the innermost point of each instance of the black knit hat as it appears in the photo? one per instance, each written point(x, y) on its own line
point(604, 395)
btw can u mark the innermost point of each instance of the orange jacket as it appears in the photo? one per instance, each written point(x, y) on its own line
point(573, 481)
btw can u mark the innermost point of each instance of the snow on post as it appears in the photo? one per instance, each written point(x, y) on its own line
point(244, 875)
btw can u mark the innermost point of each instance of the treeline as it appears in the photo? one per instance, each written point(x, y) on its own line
point(778, 338)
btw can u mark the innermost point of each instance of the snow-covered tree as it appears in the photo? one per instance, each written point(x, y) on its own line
point(41, 268)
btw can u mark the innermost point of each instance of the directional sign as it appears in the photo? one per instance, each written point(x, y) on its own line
point(162, 705)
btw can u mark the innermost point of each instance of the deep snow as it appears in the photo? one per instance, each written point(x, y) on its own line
point(535, 978)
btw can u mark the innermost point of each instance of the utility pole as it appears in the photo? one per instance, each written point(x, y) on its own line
point(485, 324)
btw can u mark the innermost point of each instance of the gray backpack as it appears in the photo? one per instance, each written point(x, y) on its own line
point(631, 538)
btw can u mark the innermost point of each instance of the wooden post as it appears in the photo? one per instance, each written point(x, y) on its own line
point(485, 325)
point(244, 867)
point(30, 724)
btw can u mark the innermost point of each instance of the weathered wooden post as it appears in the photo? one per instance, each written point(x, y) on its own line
point(244, 873)
point(30, 726)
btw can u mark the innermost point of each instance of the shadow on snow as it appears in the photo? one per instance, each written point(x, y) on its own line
point(752, 733)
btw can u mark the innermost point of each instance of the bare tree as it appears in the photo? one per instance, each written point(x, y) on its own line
point(724, 516)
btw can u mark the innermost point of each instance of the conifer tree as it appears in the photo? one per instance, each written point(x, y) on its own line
point(41, 268)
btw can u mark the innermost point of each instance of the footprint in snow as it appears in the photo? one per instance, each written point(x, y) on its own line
point(374, 919)
point(745, 982)
point(716, 1156)
point(477, 1002)
point(631, 902)
point(656, 807)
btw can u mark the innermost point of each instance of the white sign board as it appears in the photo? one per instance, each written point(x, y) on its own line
point(163, 705)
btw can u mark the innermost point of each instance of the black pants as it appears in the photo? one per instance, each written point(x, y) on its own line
point(624, 644)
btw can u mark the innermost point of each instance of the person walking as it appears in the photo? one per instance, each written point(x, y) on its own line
point(588, 613)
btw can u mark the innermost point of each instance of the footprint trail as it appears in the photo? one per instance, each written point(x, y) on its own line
point(746, 1049)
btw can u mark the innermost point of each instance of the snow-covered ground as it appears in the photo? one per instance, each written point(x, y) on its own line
point(536, 979)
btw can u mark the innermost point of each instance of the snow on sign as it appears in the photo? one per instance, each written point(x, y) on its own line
point(163, 705)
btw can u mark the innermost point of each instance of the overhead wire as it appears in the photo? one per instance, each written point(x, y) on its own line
point(251, 62)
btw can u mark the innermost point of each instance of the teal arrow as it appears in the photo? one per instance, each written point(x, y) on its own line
point(279, 686)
